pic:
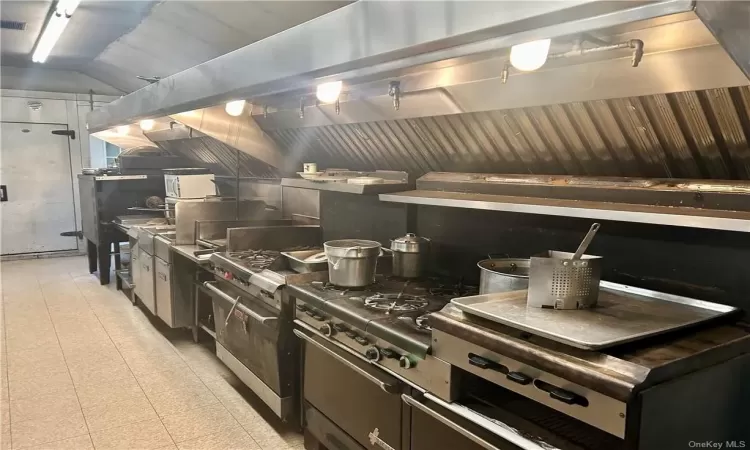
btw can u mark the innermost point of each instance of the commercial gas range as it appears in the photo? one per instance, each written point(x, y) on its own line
point(396, 366)
point(253, 325)
point(364, 350)
point(661, 392)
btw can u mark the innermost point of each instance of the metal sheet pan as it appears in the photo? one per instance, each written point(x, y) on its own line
point(624, 314)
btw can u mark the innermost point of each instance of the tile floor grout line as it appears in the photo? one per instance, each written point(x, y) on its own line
point(80, 407)
point(190, 367)
point(7, 366)
point(99, 306)
point(126, 364)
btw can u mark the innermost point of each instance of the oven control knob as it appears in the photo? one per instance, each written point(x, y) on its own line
point(406, 362)
point(361, 340)
point(352, 334)
point(373, 354)
point(326, 329)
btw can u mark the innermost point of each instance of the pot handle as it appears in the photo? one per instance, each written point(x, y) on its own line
point(383, 249)
point(499, 255)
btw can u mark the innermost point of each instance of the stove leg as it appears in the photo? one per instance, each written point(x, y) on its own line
point(312, 443)
point(104, 262)
point(118, 264)
point(91, 253)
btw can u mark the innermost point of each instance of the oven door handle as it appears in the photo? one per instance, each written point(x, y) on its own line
point(389, 388)
point(411, 401)
point(211, 286)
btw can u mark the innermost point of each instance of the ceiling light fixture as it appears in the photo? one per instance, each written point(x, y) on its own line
point(123, 129)
point(235, 107)
point(530, 55)
point(147, 125)
point(53, 29)
point(329, 92)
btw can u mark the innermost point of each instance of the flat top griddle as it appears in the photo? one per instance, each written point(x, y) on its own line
point(623, 314)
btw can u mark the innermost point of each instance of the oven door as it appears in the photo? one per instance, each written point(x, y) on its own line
point(361, 400)
point(256, 345)
point(433, 426)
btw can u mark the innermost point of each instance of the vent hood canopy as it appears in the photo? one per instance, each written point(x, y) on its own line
point(426, 78)
point(369, 41)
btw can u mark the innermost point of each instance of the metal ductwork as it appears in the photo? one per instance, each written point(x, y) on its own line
point(629, 88)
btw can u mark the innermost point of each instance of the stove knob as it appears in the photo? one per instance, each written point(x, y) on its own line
point(352, 334)
point(361, 340)
point(301, 306)
point(373, 354)
point(326, 329)
point(388, 353)
point(406, 362)
point(228, 276)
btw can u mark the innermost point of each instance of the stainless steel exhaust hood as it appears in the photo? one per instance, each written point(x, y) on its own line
point(369, 41)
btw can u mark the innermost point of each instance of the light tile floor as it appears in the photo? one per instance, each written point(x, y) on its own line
point(81, 368)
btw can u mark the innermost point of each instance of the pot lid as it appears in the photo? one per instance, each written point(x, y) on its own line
point(409, 243)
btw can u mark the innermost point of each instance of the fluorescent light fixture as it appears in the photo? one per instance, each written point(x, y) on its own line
point(54, 28)
point(147, 124)
point(235, 107)
point(530, 55)
point(123, 129)
point(329, 92)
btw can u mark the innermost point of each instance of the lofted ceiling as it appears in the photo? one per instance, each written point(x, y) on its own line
point(113, 41)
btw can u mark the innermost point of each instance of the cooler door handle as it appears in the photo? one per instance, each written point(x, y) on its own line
point(3, 193)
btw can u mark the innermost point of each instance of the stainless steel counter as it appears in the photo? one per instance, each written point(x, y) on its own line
point(188, 251)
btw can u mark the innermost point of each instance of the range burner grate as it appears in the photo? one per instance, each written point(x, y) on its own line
point(326, 286)
point(255, 259)
point(398, 303)
point(423, 323)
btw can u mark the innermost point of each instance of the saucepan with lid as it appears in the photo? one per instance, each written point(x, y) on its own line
point(410, 255)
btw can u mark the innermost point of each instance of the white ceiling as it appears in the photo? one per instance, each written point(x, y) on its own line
point(113, 41)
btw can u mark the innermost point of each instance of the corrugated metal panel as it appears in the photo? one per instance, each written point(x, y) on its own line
point(702, 134)
point(219, 157)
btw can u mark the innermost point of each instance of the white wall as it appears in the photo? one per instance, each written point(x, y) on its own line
point(51, 80)
point(62, 108)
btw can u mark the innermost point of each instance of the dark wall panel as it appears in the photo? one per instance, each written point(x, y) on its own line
point(345, 216)
point(708, 265)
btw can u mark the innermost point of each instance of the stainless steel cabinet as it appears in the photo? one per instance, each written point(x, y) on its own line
point(135, 267)
point(163, 282)
point(146, 280)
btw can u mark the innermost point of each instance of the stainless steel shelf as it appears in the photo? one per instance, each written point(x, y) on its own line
point(363, 189)
point(623, 212)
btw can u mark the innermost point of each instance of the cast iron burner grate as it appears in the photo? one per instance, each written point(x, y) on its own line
point(326, 286)
point(256, 259)
point(399, 303)
point(423, 323)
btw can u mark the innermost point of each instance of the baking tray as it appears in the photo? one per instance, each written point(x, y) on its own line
point(297, 261)
point(623, 314)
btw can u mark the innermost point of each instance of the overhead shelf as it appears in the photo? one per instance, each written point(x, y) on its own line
point(624, 212)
